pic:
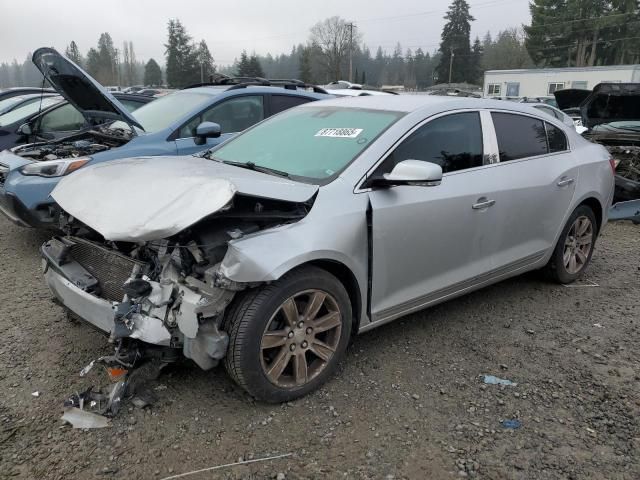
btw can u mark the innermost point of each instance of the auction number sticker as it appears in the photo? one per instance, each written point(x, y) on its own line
point(339, 132)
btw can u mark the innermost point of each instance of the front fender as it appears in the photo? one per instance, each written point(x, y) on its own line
point(335, 229)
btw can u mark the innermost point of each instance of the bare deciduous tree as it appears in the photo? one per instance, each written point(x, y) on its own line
point(332, 37)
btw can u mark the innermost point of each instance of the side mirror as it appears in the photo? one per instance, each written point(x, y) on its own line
point(411, 172)
point(25, 129)
point(207, 130)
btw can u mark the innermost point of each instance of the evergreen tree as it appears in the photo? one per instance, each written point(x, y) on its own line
point(255, 68)
point(182, 56)
point(507, 51)
point(107, 73)
point(205, 61)
point(93, 62)
point(152, 73)
point(456, 41)
point(73, 53)
point(244, 67)
point(363, 79)
point(583, 32)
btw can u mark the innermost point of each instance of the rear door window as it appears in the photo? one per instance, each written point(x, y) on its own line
point(280, 103)
point(519, 136)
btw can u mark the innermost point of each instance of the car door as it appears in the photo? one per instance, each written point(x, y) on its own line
point(59, 122)
point(430, 242)
point(233, 115)
point(534, 185)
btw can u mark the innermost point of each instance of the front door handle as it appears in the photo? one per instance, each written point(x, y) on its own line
point(483, 204)
point(565, 181)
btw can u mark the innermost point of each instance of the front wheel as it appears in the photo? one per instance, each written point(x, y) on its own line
point(575, 246)
point(287, 338)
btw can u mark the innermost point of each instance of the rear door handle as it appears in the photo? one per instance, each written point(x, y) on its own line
point(484, 204)
point(565, 182)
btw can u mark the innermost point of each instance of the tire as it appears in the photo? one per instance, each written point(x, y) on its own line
point(262, 338)
point(568, 244)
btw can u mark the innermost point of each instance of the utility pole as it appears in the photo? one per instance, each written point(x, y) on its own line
point(351, 26)
point(451, 64)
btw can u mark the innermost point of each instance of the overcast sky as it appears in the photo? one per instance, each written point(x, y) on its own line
point(229, 27)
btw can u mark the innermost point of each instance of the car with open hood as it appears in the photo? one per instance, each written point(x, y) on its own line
point(569, 100)
point(180, 123)
point(269, 251)
point(611, 114)
point(47, 118)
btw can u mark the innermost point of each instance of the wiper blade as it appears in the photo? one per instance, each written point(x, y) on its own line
point(257, 168)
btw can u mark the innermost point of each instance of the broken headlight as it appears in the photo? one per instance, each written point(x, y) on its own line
point(54, 168)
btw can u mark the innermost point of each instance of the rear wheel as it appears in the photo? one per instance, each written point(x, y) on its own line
point(575, 246)
point(287, 338)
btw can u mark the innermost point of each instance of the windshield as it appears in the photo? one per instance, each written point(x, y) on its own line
point(308, 142)
point(164, 111)
point(25, 111)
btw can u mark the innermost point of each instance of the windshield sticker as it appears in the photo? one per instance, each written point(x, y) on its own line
point(339, 132)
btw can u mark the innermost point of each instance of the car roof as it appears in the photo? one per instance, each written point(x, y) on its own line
point(215, 90)
point(427, 103)
point(354, 92)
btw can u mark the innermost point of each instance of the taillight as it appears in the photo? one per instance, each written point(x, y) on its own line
point(614, 163)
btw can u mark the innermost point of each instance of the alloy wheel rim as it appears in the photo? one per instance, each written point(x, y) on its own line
point(301, 338)
point(577, 245)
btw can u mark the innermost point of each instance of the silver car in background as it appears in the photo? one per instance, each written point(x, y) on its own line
point(270, 251)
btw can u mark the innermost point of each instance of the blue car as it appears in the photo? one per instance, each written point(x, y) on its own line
point(182, 123)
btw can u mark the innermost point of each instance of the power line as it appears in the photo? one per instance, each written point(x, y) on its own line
point(433, 12)
point(574, 44)
point(577, 20)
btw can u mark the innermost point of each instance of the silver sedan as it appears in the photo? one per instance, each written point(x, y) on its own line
point(269, 252)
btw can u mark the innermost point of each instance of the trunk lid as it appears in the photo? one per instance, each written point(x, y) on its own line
point(79, 88)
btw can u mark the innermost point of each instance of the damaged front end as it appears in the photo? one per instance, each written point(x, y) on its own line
point(169, 292)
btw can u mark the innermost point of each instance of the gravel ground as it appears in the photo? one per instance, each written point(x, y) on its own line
point(407, 403)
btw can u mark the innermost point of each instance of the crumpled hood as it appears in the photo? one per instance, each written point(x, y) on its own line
point(150, 198)
point(611, 102)
point(79, 88)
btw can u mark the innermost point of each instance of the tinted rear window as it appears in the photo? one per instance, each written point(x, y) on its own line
point(280, 103)
point(519, 136)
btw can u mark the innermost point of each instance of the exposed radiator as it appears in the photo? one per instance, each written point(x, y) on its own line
point(110, 268)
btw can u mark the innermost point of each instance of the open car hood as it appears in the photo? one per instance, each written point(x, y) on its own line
point(151, 198)
point(611, 102)
point(570, 97)
point(77, 86)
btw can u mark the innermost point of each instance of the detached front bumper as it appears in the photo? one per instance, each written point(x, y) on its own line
point(72, 285)
point(89, 279)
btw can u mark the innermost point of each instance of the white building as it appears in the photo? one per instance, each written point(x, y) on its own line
point(542, 82)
